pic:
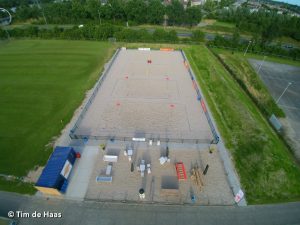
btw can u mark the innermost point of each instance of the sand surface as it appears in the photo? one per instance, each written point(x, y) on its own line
point(125, 184)
point(156, 100)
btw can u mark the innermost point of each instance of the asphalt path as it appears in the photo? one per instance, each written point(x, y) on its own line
point(78, 212)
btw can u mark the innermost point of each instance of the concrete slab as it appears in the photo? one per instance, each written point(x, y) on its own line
point(82, 171)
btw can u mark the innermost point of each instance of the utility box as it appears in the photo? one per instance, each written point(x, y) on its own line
point(275, 122)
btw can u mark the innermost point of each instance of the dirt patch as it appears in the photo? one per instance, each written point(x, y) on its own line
point(34, 175)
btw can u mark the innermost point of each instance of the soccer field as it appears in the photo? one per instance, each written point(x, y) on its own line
point(41, 85)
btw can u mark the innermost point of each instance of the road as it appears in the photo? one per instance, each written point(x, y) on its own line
point(75, 212)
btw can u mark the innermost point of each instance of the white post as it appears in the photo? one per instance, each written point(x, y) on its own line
point(261, 64)
point(283, 92)
point(247, 48)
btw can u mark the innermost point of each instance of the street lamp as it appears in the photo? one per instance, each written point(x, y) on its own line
point(247, 48)
point(6, 11)
point(283, 92)
point(261, 64)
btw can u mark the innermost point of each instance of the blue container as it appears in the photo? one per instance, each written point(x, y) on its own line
point(51, 176)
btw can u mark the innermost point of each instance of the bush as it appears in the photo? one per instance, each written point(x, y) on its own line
point(198, 36)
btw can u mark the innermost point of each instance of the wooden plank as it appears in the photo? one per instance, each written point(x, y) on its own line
point(48, 191)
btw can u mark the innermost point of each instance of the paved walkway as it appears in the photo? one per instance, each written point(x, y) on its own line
point(82, 172)
point(76, 212)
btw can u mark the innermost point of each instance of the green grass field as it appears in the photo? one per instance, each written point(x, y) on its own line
point(244, 72)
point(266, 168)
point(41, 85)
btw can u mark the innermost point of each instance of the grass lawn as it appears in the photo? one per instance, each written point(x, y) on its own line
point(266, 168)
point(16, 186)
point(167, 28)
point(41, 85)
point(289, 40)
point(244, 72)
point(220, 27)
point(224, 24)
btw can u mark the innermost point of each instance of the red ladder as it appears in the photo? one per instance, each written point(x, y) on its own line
point(180, 169)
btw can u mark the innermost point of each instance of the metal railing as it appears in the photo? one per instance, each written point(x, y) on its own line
point(95, 91)
point(130, 138)
point(147, 136)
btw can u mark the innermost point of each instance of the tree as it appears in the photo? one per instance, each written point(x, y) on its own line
point(93, 7)
point(103, 32)
point(106, 12)
point(270, 33)
point(172, 36)
point(78, 10)
point(224, 3)
point(118, 11)
point(26, 12)
point(210, 5)
point(3, 34)
point(136, 11)
point(193, 15)
point(155, 12)
point(175, 12)
point(235, 40)
point(160, 34)
point(198, 36)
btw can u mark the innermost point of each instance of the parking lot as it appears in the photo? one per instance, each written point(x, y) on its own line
point(277, 78)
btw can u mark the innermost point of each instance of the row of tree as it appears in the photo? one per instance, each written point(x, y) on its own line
point(101, 32)
point(268, 24)
point(134, 11)
point(255, 46)
point(106, 31)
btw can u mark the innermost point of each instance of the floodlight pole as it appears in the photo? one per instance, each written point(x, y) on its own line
point(247, 48)
point(283, 92)
point(261, 64)
point(38, 4)
point(10, 18)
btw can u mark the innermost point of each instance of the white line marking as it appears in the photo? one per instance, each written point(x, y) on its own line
point(289, 107)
